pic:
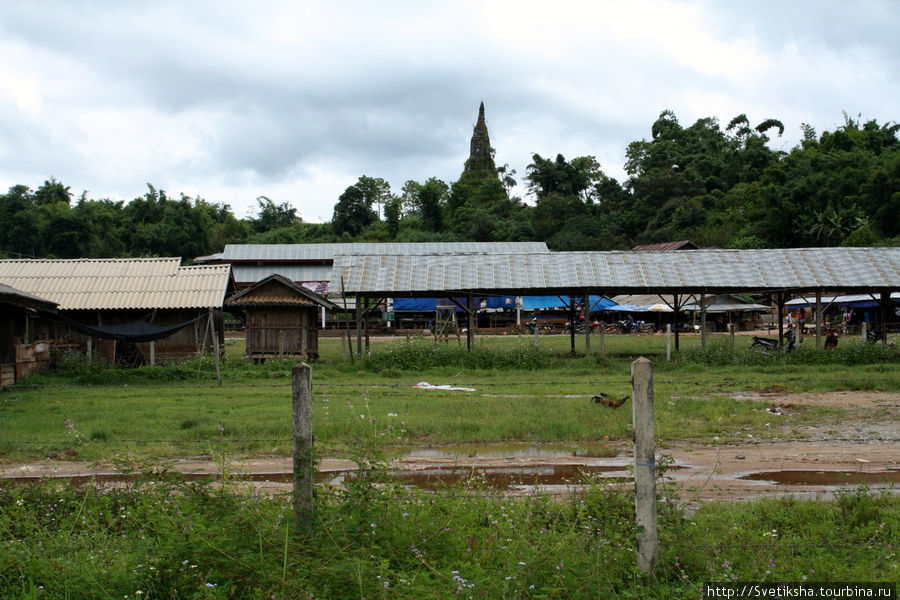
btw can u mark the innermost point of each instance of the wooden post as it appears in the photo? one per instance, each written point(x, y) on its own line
point(152, 353)
point(602, 338)
point(358, 328)
point(731, 335)
point(586, 312)
point(863, 329)
point(366, 310)
point(215, 341)
point(644, 463)
point(572, 324)
point(306, 323)
point(703, 321)
point(668, 341)
point(536, 334)
point(470, 323)
point(819, 319)
point(675, 311)
point(303, 448)
point(780, 301)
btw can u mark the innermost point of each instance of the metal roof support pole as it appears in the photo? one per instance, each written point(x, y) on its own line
point(571, 306)
point(358, 327)
point(819, 318)
point(470, 324)
point(675, 310)
point(703, 321)
point(884, 305)
point(586, 312)
point(366, 311)
point(779, 300)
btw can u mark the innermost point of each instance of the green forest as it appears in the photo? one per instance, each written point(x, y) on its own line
point(716, 186)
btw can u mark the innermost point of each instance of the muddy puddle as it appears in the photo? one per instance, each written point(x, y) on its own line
point(799, 477)
point(503, 478)
point(515, 450)
point(433, 478)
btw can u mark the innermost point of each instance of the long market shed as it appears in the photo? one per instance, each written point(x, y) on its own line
point(311, 264)
point(778, 272)
point(128, 310)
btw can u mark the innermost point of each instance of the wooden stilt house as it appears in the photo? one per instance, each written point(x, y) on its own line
point(280, 317)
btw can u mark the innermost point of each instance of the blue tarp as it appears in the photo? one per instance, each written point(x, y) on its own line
point(427, 304)
point(508, 302)
point(535, 302)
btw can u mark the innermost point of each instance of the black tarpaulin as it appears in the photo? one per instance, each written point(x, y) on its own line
point(135, 331)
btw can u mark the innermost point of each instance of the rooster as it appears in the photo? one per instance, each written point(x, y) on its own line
point(605, 401)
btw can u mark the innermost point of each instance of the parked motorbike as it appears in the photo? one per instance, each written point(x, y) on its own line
point(767, 345)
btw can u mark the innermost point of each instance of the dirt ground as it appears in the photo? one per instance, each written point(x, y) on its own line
point(865, 448)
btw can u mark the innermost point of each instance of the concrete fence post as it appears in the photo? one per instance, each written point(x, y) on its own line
point(644, 464)
point(304, 466)
point(668, 341)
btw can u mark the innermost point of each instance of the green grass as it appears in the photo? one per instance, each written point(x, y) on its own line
point(164, 537)
point(522, 394)
point(174, 539)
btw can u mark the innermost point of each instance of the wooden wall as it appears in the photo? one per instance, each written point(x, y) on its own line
point(291, 332)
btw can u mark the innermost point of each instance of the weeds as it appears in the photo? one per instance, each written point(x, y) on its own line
point(166, 538)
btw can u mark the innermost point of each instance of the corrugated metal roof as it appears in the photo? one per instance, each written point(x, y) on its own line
point(327, 252)
point(19, 298)
point(115, 284)
point(278, 290)
point(244, 274)
point(666, 246)
point(622, 272)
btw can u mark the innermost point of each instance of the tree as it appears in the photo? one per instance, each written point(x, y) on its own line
point(432, 198)
point(575, 178)
point(392, 216)
point(352, 212)
point(376, 191)
point(273, 216)
point(51, 192)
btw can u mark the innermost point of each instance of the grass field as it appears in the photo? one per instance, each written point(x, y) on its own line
point(165, 537)
point(169, 411)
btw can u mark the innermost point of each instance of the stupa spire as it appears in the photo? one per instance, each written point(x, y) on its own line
point(480, 150)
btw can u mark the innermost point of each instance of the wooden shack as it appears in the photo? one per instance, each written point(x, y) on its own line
point(107, 307)
point(280, 318)
point(23, 348)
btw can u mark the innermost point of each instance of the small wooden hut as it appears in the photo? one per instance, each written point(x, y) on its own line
point(280, 318)
point(22, 349)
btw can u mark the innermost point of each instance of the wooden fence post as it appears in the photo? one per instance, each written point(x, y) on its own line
point(731, 335)
point(644, 463)
point(303, 448)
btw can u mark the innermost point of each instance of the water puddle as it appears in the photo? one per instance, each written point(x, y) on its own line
point(515, 450)
point(789, 477)
point(502, 478)
point(430, 478)
point(130, 478)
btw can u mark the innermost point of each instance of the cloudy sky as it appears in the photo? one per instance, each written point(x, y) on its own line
point(295, 100)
